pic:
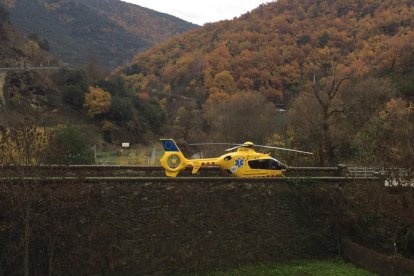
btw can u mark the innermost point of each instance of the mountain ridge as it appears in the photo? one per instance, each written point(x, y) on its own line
point(110, 31)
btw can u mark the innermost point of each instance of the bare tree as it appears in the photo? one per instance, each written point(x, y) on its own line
point(240, 117)
point(326, 90)
point(23, 149)
point(387, 140)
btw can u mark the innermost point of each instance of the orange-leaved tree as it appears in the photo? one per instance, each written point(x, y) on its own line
point(97, 101)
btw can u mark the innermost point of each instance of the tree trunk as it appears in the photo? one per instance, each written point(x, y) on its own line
point(26, 251)
point(330, 154)
point(27, 232)
point(52, 250)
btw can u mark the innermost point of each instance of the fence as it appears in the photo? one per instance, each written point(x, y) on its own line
point(365, 171)
point(376, 262)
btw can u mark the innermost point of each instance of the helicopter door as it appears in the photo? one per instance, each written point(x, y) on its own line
point(274, 165)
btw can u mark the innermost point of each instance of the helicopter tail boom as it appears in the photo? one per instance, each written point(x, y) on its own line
point(173, 160)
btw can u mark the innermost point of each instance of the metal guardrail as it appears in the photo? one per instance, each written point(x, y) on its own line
point(193, 179)
point(133, 170)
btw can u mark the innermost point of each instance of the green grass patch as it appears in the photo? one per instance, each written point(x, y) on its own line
point(299, 268)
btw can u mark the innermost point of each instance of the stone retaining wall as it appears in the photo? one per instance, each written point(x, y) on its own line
point(157, 228)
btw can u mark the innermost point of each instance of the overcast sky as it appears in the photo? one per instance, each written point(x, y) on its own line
point(200, 12)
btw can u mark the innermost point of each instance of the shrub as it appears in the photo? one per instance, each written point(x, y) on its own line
point(70, 146)
point(74, 96)
point(121, 110)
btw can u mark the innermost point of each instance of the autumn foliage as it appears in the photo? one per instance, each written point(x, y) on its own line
point(25, 145)
point(268, 48)
point(309, 57)
point(97, 101)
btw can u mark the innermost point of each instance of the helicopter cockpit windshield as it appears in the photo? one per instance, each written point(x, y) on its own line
point(266, 164)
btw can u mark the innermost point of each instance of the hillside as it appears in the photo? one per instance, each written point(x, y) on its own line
point(267, 49)
point(23, 93)
point(317, 58)
point(331, 77)
point(55, 95)
point(109, 31)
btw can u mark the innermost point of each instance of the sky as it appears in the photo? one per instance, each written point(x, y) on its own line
point(201, 12)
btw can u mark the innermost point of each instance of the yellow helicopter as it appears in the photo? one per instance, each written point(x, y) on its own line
point(241, 160)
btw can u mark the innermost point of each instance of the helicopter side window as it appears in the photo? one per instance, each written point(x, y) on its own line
point(227, 158)
point(260, 164)
point(265, 164)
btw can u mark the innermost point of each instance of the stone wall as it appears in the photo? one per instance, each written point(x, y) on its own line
point(156, 228)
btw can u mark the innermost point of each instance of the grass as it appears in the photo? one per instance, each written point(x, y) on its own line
point(299, 268)
point(136, 156)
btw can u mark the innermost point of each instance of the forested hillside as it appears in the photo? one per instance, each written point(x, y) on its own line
point(343, 69)
point(332, 77)
point(62, 96)
point(107, 31)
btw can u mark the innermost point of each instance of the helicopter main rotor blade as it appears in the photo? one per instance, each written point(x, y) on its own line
point(237, 145)
point(285, 149)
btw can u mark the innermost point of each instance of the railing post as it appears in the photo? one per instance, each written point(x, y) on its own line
point(342, 170)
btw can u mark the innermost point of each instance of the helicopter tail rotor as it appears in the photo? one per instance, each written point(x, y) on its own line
point(173, 160)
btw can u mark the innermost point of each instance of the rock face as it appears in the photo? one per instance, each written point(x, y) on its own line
point(24, 94)
point(28, 90)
